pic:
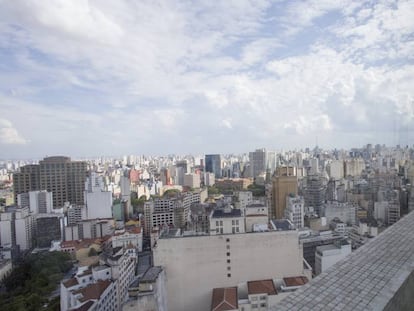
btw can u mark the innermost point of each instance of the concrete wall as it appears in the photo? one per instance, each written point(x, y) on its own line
point(196, 265)
point(403, 299)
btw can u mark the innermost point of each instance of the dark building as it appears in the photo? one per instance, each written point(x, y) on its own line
point(59, 175)
point(48, 229)
point(213, 164)
point(315, 192)
point(28, 179)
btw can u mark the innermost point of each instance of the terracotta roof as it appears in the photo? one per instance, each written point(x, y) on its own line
point(93, 291)
point(71, 282)
point(295, 281)
point(86, 272)
point(261, 287)
point(224, 299)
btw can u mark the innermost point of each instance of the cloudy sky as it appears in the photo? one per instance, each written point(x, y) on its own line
point(120, 77)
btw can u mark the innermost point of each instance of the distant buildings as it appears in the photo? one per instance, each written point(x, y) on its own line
point(213, 164)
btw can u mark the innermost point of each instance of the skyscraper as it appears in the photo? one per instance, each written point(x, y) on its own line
point(59, 175)
point(315, 192)
point(213, 164)
point(258, 162)
point(284, 183)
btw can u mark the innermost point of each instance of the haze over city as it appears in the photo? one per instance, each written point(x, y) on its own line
point(87, 78)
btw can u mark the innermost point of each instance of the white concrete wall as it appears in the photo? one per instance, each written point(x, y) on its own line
point(196, 265)
point(99, 204)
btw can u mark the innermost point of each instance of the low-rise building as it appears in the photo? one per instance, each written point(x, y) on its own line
point(226, 221)
point(327, 255)
point(148, 292)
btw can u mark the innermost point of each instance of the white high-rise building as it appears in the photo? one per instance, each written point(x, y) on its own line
point(16, 228)
point(98, 203)
point(39, 202)
point(336, 169)
point(295, 210)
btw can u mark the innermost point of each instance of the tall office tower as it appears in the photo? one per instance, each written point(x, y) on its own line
point(315, 192)
point(59, 175)
point(213, 164)
point(284, 183)
point(26, 180)
point(64, 178)
point(258, 162)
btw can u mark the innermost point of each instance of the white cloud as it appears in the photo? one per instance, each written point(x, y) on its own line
point(9, 135)
point(140, 74)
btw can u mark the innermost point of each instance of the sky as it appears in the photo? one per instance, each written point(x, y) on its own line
point(90, 78)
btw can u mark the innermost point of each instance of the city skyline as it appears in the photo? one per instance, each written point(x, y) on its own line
point(87, 78)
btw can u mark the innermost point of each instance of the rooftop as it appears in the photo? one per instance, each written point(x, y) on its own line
point(295, 281)
point(374, 277)
point(261, 287)
point(93, 291)
point(71, 282)
point(151, 275)
point(224, 299)
point(220, 213)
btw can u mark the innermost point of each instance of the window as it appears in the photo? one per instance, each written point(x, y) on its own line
point(228, 253)
point(228, 268)
point(228, 246)
point(217, 223)
point(227, 240)
point(228, 260)
point(263, 305)
point(229, 275)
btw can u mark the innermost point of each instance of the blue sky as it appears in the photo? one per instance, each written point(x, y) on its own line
point(86, 78)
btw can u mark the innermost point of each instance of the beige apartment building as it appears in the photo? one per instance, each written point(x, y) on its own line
point(195, 265)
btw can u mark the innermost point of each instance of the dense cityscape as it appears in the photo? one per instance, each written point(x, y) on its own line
point(209, 232)
point(195, 155)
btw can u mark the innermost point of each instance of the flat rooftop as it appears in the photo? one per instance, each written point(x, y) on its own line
point(374, 277)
